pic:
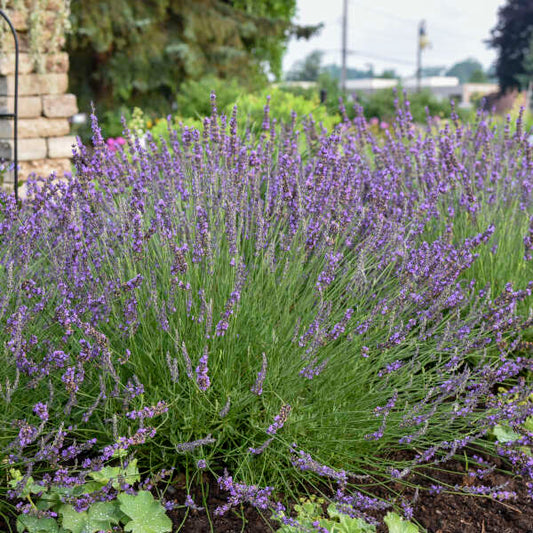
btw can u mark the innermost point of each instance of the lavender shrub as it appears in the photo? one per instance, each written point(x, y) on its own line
point(292, 305)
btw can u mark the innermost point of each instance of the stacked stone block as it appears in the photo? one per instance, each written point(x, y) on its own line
point(44, 106)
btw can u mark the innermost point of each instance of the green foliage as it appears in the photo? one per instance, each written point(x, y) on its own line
point(193, 97)
point(351, 73)
point(388, 74)
point(381, 104)
point(465, 70)
point(433, 71)
point(270, 47)
point(130, 475)
point(33, 524)
point(478, 76)
point(138, 53)
point(310, 516)
point(146, 515)
point(310, 513)
point(282, 104)
point(504, 434)
point(101, 516)
point(308, 69)
point(397, 524)
point(511, 37)
point(527, 77)
point(139, 513)
point(250, 106)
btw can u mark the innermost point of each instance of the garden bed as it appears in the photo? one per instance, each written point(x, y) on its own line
point(305, 309)
point(436, 513)
point(440, 513)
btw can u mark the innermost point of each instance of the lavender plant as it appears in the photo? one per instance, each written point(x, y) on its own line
point(291, 306)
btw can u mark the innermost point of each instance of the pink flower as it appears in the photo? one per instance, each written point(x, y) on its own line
point(113, 144)
point(374, 121)
point(384, 125)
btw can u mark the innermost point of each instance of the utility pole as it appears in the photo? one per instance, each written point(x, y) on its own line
point(422, 43)
point(344, 44)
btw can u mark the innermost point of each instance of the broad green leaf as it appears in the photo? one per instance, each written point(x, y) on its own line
point(87, 488)
point(117, 454)
point(147, 515)
point(100, 517)
point(30, 488)
point(73, 521)
point(32, 524)
point(397, 524)
point(106, 513)
point(505, 433)
point(132, 473)
point(108, 473)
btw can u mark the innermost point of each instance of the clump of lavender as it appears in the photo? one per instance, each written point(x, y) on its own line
point(240, 493)
point(364, 267)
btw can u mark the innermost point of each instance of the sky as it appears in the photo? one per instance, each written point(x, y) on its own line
point(384, 32)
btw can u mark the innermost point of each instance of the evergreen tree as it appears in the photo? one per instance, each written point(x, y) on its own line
point(526, 78)
point(139, 52)
point(511, 37)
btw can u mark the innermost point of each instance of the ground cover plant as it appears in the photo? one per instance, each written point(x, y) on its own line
point(302, 308)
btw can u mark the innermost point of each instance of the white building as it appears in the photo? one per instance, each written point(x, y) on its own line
point(444, 87)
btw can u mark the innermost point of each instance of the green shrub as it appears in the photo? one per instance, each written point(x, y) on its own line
point(192, 100)
point(282, 105)
point(250, 107)
point(381, 104)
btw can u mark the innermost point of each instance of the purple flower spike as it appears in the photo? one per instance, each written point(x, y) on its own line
point(201, 372)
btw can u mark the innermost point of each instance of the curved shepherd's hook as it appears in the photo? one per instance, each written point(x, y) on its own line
point(14, 115)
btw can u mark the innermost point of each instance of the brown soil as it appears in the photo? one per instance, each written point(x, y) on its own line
point(237, 520)
point(462, 513)
point(442, 513)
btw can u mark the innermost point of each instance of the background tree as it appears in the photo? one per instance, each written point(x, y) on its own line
point(351, 73)
point(308, 69)
point(526, 78)
point(464, 70)
point(511, 37)
point(478, 76)
point(388, 74)
point(138, 53)
point(433, 71)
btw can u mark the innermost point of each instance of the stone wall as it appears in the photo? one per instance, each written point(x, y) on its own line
point(44, 107)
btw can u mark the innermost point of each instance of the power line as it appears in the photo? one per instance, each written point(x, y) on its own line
point(387, 13)
point(413, 21)
point(369, 55)
point(378, 57)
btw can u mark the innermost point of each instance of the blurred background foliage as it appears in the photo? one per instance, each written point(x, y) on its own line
point(134, 53)
point(166, 56)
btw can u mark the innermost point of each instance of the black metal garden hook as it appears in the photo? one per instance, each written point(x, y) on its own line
point(14, 115)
